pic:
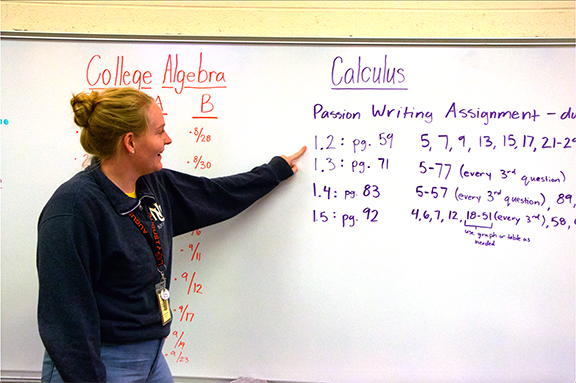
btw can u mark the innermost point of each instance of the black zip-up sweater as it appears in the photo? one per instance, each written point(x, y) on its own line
point(97, 272)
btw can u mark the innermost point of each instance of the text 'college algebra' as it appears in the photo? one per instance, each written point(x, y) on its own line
point(103, 74)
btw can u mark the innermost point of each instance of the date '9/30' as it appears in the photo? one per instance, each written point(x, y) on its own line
point(347, 220)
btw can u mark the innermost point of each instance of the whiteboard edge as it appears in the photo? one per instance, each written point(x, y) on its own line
point(452, 41)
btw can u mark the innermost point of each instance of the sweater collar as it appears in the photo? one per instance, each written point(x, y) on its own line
point(122, 203)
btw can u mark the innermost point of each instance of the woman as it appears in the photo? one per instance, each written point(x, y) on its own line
point(105, 241)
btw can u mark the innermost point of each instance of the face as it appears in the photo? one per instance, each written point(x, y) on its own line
point(148, 147)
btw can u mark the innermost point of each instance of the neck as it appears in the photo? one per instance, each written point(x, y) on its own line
point(120, 174)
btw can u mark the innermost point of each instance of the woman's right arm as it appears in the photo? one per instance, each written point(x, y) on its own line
point(68, 319)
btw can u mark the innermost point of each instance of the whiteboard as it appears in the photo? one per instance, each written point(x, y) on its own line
point(428, 236)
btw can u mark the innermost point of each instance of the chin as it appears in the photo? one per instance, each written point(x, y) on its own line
point(153, 169)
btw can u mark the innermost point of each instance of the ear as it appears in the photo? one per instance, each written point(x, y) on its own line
point(128, 143)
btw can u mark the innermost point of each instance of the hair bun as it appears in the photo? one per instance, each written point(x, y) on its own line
point(83, 105)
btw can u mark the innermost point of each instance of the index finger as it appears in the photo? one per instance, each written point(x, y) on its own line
point(296, 155)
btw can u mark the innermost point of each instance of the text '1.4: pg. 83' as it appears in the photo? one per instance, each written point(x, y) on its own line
point(329, 192)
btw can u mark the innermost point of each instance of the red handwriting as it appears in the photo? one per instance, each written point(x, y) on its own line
point(195, 253)
point(197, 286)
point(99, 76)
point(200, 137)
point(178, 354)
point(185, 315)
point(179, 79)
point(102, 73)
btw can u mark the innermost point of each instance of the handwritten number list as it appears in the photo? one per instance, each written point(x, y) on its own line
point(488, 174)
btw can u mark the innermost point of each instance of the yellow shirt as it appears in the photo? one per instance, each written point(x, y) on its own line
point(132, 195)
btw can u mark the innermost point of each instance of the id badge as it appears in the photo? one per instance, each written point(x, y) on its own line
point(163, 295)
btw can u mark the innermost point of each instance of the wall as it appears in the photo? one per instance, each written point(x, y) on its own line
point(342, 19)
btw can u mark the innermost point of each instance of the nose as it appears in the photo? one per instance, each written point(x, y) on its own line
point(167, 139)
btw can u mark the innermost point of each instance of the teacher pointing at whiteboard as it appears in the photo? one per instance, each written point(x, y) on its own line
point(105, 241)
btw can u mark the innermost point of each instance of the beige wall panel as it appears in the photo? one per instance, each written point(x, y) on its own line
point(341, 19)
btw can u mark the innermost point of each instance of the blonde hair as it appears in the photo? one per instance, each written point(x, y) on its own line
point(107, 116)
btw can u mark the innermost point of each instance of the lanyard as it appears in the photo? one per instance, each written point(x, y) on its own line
point(153, 240)
point(161, 291)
